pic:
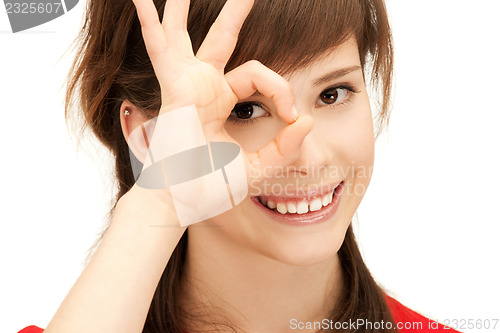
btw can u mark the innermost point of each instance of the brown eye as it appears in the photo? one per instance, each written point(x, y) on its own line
point(329, 96)
point(242, 111)
point(334, 95)
point(247, 111)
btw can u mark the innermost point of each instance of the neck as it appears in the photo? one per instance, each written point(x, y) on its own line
point(252, 292)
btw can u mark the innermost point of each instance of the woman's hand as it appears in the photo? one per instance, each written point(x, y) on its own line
point(187, 79)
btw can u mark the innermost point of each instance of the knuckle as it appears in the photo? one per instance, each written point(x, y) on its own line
point(232, 32)
point(284, 88)
point(158, 53)
point(254, 63)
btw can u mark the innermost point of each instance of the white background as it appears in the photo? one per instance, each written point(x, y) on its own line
point(429, 224)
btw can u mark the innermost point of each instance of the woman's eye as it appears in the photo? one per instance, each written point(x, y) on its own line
point(333, 96)
point(247, 111)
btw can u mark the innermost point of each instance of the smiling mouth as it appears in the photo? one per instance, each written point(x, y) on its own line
point(299, 206)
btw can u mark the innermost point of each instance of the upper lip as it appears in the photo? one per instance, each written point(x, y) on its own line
point(305, 192)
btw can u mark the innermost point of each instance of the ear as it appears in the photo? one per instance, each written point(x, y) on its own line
point(131, 129)
point(135, 118)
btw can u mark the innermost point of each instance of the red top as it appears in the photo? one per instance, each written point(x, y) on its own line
point(408, 321)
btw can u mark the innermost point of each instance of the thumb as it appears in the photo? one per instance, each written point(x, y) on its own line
point(281, 151)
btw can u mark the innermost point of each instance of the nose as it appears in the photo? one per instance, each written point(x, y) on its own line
point(316, 153)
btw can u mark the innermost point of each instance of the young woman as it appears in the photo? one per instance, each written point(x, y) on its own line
point(287, 82)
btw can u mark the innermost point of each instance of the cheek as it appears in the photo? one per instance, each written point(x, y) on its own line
point(359, 143)
point(351, 140)
point(359, 150)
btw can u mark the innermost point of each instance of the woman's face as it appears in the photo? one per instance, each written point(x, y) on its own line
point(338, 150)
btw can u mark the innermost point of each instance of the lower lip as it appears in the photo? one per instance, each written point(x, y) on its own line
point(308, 218)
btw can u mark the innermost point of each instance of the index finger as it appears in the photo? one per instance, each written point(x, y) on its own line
point(221, 40)
point(253, 76)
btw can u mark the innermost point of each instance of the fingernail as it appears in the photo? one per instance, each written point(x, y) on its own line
point(295, 113)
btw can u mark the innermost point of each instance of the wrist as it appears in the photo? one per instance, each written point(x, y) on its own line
point(147, 207)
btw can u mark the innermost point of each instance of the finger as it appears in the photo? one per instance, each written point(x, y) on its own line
point(221, 40)
point(253, 76)
point(175, 15)
point(153, 35)
point(285, 147)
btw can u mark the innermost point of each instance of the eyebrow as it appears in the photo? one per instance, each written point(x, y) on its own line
point(336, 74)
point(325, 78)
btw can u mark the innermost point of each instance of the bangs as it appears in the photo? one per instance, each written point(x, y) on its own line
point(285, 35)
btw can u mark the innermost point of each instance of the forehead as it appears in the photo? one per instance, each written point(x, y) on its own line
point(343, 56)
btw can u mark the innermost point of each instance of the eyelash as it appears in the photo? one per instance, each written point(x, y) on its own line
point(342, 86)
point(345, 86)
point(238, 121)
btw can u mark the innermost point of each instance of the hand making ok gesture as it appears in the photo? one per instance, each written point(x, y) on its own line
point(187, 79)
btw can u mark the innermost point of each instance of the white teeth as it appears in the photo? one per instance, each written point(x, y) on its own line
point(291, 207)
point(315, 205)
point(302, 207)
point(327, 199)
point(281, 207)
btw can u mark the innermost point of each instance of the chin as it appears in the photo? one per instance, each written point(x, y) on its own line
point(308, 251)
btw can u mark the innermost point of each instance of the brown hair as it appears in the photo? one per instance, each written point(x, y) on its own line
point(112, 65)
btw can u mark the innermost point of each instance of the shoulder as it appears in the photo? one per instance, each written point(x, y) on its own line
point(31, 329)
point(411, 321)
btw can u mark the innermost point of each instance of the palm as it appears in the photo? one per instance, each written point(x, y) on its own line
point(207, 89)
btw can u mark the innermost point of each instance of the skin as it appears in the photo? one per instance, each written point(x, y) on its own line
point(258, 273)
point(264, 273)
